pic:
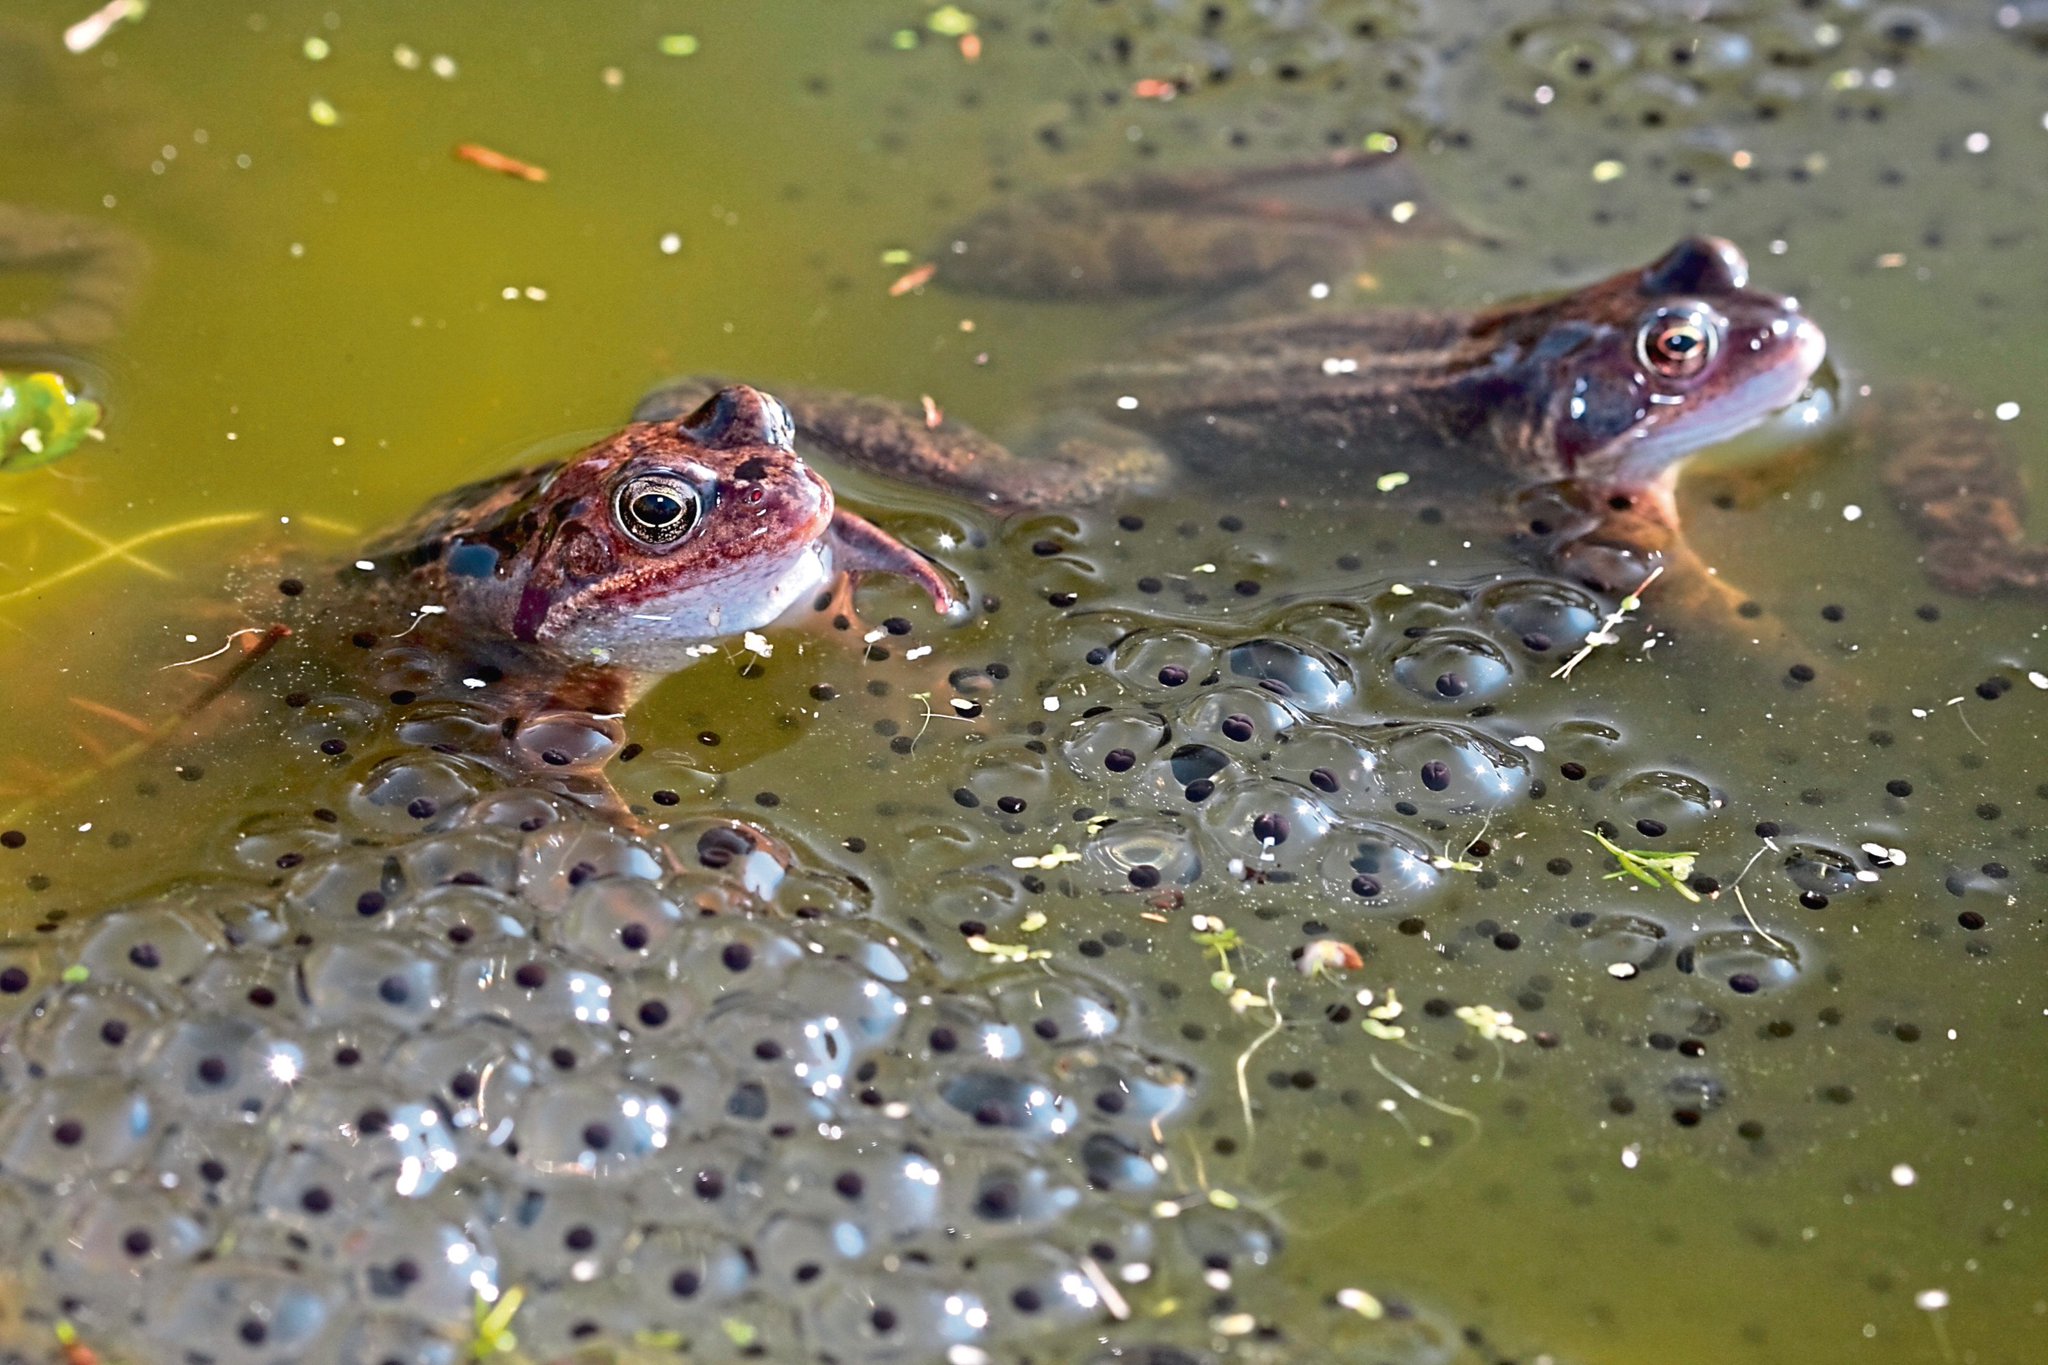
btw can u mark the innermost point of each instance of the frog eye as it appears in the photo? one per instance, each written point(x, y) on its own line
point(1677, 343)
point(655, 509)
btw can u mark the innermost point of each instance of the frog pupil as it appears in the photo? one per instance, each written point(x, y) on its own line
point(656, 509)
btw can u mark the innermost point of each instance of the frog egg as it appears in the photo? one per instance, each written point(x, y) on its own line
point(678, 1270)
point(970, 898)
point(1311, 678)
point(1575, 53)
point(562, 1231)
point(1033, 1289)
point(1633, 941)
point(1901, 31)
point(357, 980)
point(1010, 777)
point(1547, 616)
point(1002, 1101)
point(1110, 741)
point(1656, 801)
point(895, 1193)
point(1341, 764)
point(25, 971)
point(573, 741)
point(870, 1317)
point(114, 1236)
point(555, 860)
point(1129, 1098)
point(234, 1310)
point(418, 1256)
point(1742, 959)
point(527, 989)
point(1119, 1164)
point(469, 857)
point(225, 1064)
point(615, 922)
point(1450, 768)
point(263, 843)
point(1001, 1191)
point(1652, 99)
point(517, 808)
point(466, 917)
point(152, 947)
point(450, 725)
point(334, 889)
point(409, 792)
point(1819, 871)
point(1233, 1239)
point(1378, 865)
point(1238, 720)
point(392, 1143)
point(586, 1127)
point(1344, 629)
point(69, 1127)
point(1062, 1012)
point(1162, 663)
point(477, 1073)
point(1143, 852)
point(85, 1029)
point(1454, 666)
point(1265, 823)
point(739, 853)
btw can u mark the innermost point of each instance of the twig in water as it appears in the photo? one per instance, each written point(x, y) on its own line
point(1605, 635)
point(1244, 1058)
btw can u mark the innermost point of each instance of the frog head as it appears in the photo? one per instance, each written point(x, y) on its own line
point(1643, 369)
point(663, 537)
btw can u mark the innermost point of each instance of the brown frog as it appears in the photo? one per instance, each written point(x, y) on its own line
point(584, 582)
point(1573, 411)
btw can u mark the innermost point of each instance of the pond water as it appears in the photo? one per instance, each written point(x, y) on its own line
point(324, 1042)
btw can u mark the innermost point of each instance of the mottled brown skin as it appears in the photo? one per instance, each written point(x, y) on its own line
point(590, 579)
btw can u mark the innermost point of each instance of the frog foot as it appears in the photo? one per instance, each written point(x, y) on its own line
point(1958, 485)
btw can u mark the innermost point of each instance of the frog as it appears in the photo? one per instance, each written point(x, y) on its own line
point(583, 582)
point(1567, 416)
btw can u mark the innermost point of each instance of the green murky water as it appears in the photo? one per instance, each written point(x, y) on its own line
point(339, 321)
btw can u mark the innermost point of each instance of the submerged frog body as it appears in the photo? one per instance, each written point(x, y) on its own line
point(1591, 398)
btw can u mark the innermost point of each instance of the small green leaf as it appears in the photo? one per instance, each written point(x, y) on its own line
point(42, 420)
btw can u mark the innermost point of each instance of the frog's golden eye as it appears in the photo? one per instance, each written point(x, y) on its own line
point(1677, 343)
point(655, 509)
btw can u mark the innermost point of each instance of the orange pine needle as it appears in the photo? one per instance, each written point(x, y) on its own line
point(913, 280)
point(1152, 88)
point(105, 712)
point(476, 154)
point(932, 415)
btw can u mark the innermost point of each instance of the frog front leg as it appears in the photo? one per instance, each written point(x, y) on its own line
point(1623, 544)
point(1066, 461)
point(99, 270)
